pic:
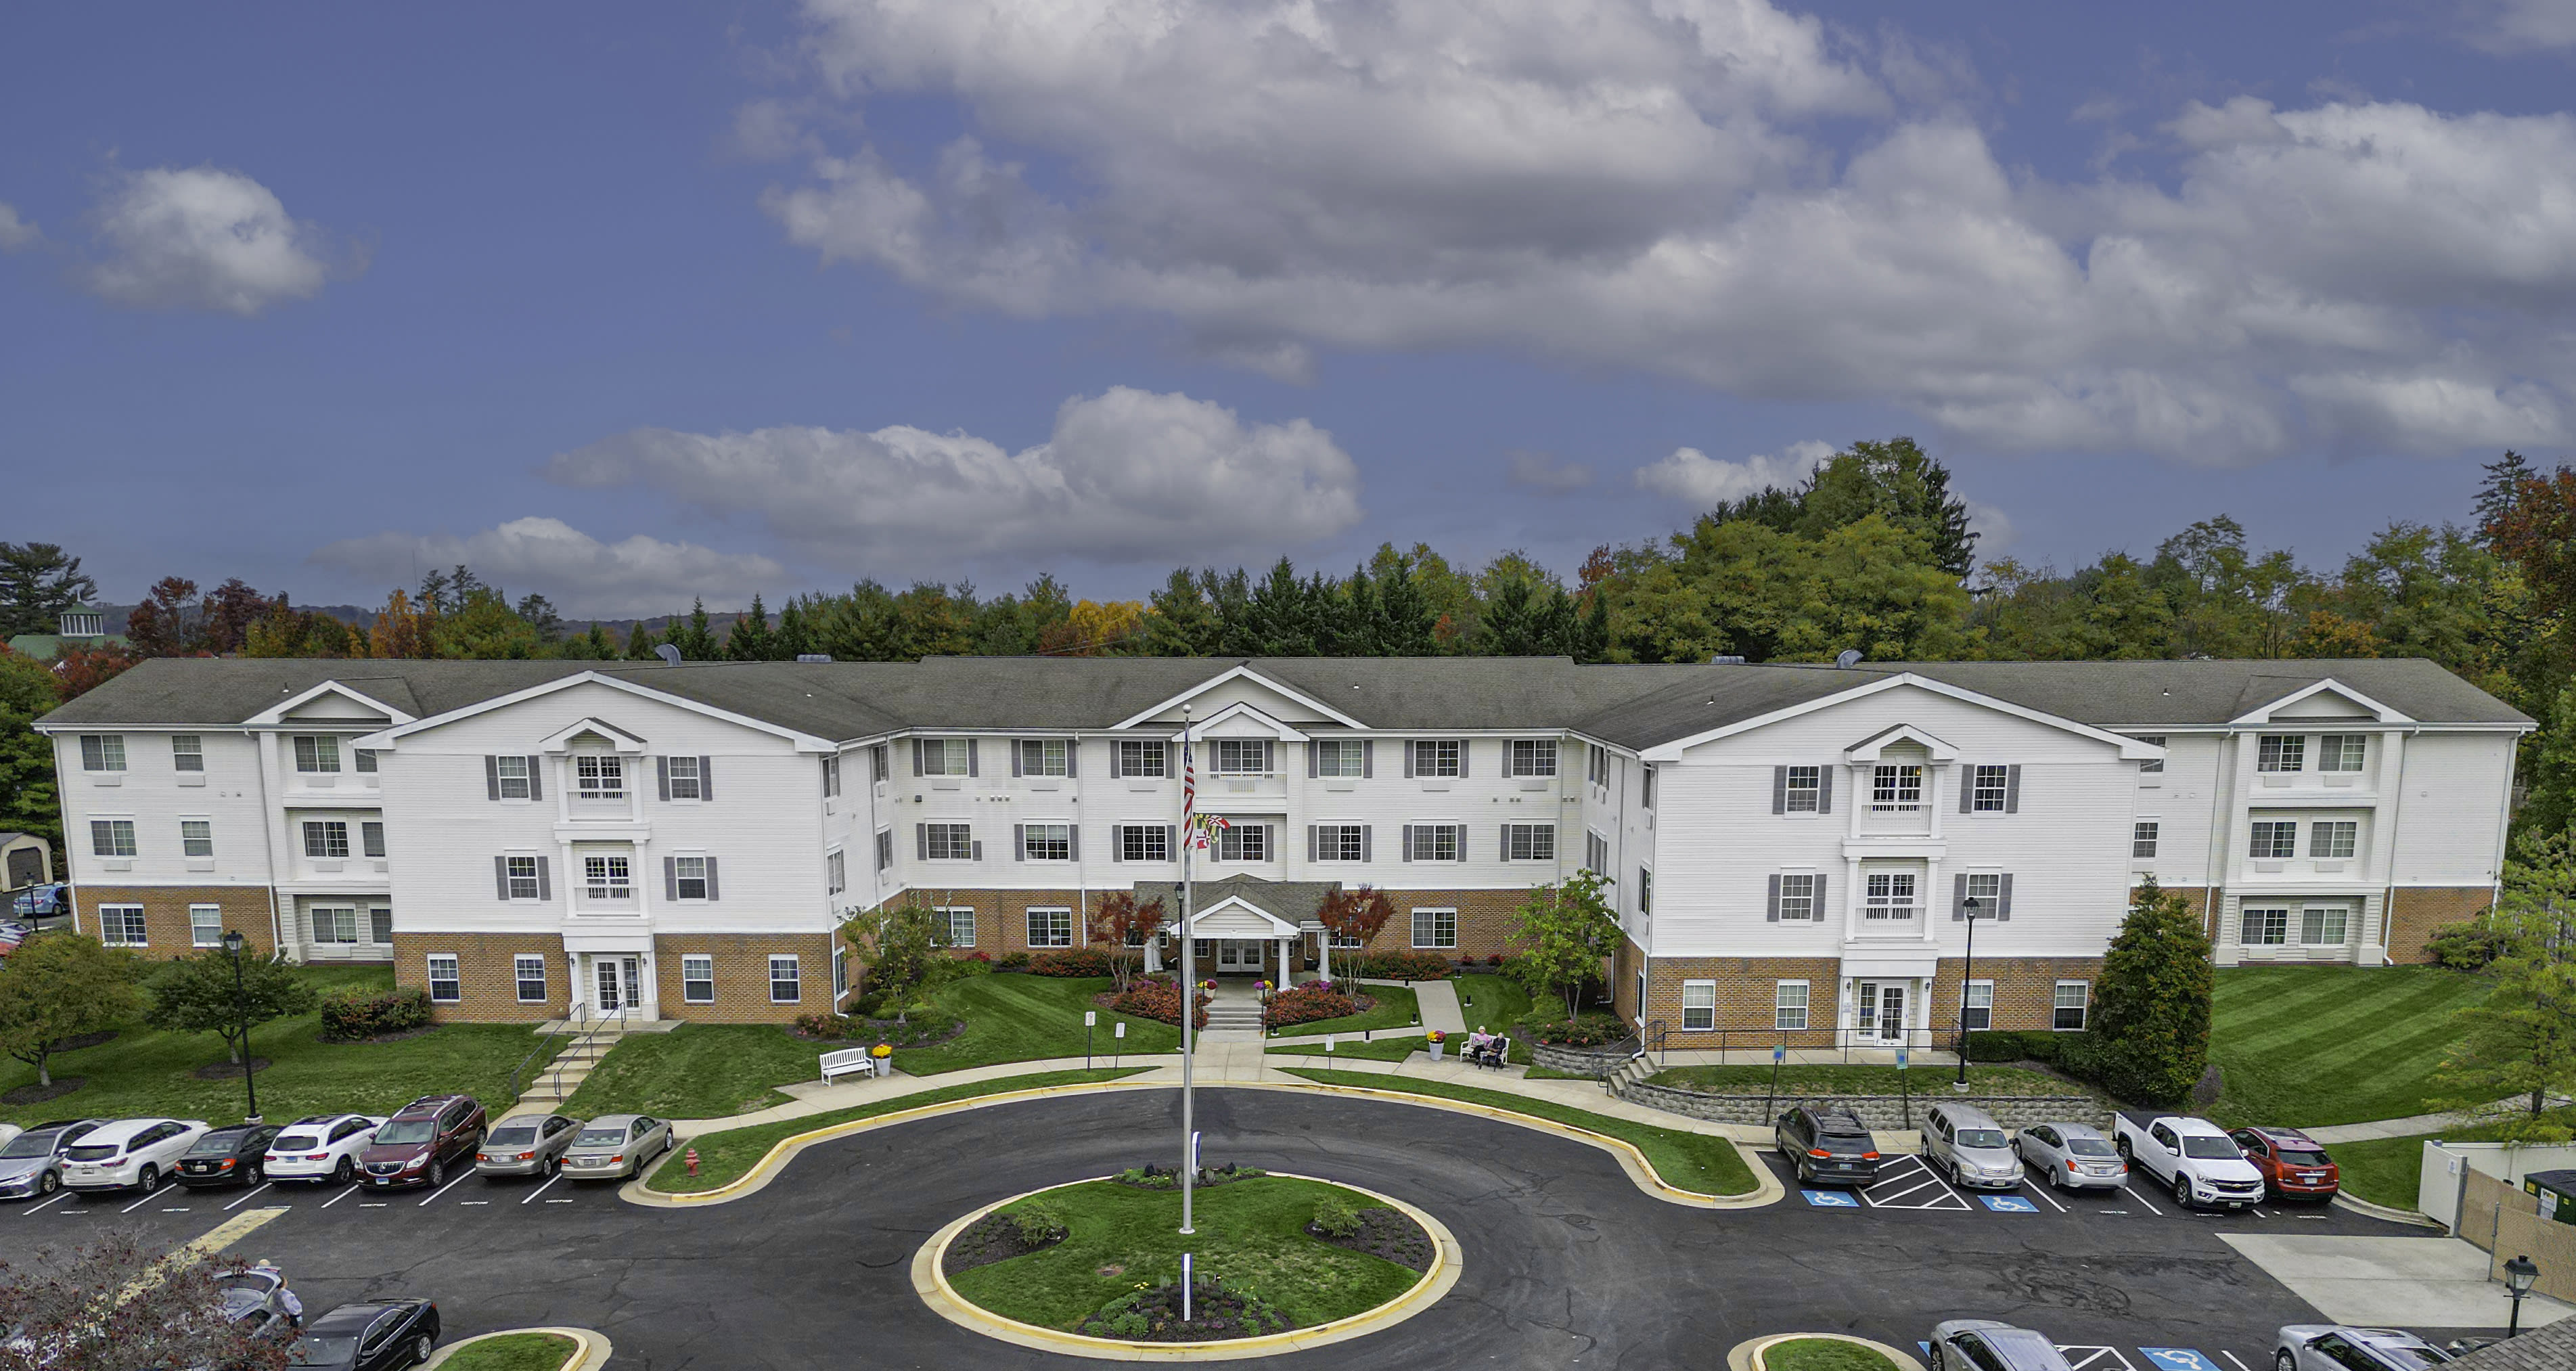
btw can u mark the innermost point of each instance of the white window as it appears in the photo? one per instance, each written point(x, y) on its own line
point(2152, 764)
point(1437, 757)
point(607, 878)
point(205, 925)
point(529, 970)
point(1530, 757)
point(961, 926)
point(697, 979)
point(948, 842)
point(942, 756)
point(121, 925)
point(1434, 842)
point(836, 871)
point(334, 923)
point(326, 838)
point(522, 875)
point(445, 985)
point(363, 759)
point(187, 752)
point(1896, 787)
point(1340, 757)
point(1891, 896)
point(880, 766)
point(1986, 888)
point(1699, 1006)
point(602, 776)
point(196, 838)
point(2263, 927)
point(2333, 838)
point(102, 752)
point(1981, 1006)
point(2281, 752)
point(1244, 843)
point(1435, 928)
point(2071, 999)
point(1050, 928)
point(2275, 839)
point(785, 980)
point(685, 783)
point(1805, 790)
point(1243, 756)
point(885, 849)
point(1646, 786)
point(111, 837)
point(2343, 751)
point(317, 754)
point(1044, 757)
point(840, 972)
point(1597, 766)
point(1140, 759)
point(1596, 853)
point(1529, 842)
point(2324, 925)
point(1144, 843)
point(1341, 843)
point(831, 779)
point(2142, 838)
point(511, 774)
point(1798, 897)
point(371, 838)
point(689, 876)
point(1046, 842)
point(1991, 786)
point(1789, 1006)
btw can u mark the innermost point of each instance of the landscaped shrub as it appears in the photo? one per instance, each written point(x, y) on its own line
point(1310, 1002)
point(833, 1027)
point(1011, 961)
point(1405, 966)
point(1336, 1218)
point(1038, 1222)
point(1159, 998)
point(1078, 961)
point(1583, 1030)
point(2466, 946)
point(1217, 1311)
point(349, 1015)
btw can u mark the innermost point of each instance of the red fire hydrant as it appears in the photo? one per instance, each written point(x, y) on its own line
point(693, 1161)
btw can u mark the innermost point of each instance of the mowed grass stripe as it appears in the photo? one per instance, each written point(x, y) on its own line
point(2279, 1009)
point(2325, 1045)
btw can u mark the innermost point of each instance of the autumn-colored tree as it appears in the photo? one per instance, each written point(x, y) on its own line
point(118, 1303)
point(402, 631)
point(168, 622)
point(84, 667)
point(1122, 921)
point(1354, 916)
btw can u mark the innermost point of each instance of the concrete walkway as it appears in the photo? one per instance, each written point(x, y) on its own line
point(2414, 1124)
point(1439, 1002)
point(2417, 1282)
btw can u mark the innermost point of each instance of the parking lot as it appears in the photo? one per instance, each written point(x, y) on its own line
point(1567, 1263)
point(1908, 1184)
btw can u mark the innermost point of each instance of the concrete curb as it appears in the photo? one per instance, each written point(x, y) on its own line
point(590, 1349)
point(1747, 1355)
point(2409, 1217)
point(931, 1283)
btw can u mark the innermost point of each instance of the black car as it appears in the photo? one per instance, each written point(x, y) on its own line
point(379, 1335)
point(227, 1156)
point(1827, 1144)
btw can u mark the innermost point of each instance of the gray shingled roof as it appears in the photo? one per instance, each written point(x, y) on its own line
point(2552, 1348)
point(1634, 706)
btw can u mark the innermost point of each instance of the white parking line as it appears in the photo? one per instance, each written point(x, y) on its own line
point(150, 1195)
point(2039, 1188)
point(2132, 1194)
point(354, 1189)
point(2240, 1366)
point(265, 1184)
point(62, 1195)
point(1943, 1198)
point(460, 1180)
point(550, 1180)
point(2095, 1358)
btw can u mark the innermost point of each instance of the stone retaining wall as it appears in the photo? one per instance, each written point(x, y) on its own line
point(1882, 1112)
point(1595, 1062)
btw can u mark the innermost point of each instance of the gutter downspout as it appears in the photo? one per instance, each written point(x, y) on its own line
point(2396, 802)
point(2504, 827)
point(268, 845)
point(2228, 750)
point(1081, 865)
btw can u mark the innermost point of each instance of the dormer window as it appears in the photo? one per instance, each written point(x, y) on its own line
point(2281, 752)
point(317, 755)
point(1243, 756)
point(601, 776)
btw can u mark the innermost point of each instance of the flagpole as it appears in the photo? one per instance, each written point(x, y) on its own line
point(1189, 974)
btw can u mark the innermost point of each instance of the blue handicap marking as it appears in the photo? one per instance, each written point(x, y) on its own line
point(1831, 1199)
point(2009, 1204)
point(2179, 1359)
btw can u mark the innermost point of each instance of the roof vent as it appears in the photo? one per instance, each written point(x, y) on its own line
point(813, 656)
point(1727, 659)
point(1847, 658)
point(670, 655)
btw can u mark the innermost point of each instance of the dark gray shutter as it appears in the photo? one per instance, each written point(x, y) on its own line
point(1959, 897)
point(973, 767)
point(1117, 832)
point(1825, 789)
point(711, 880)
point(1014, 745)
point(491, 778)
point(1117, 763)
point(2012, 789)
point(1967, 788)
point(670, 878)
point(1368, 758)
point(1312, 844)
point(1779, 790)
point(916, 756)
point(1408, 842)
point(1466, 748)
point(2003, 899)
point(1501, 854)
point(921, 842)
point(1462, 841)
point(1171, 842)
point(662, 771)
point(1073, 756)
point(1019, 842)
point(536, 779)
point(1816, 910)
point(1312, 747)
point(501, 874)
point(1408, 770)
point(1774, 916)
point(975, 850)
point(1073, 840)
point(545, 878)
point(1365, 831)
point(707, 777)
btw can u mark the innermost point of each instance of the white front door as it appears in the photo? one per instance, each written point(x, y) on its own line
point(1880, 1012)
point(620, 981)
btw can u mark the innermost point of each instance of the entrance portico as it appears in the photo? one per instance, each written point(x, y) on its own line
point(613, 973)
point(1235, 937)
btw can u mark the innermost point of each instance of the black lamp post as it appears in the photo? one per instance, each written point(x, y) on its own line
point(2519, 1276)
point(1967, 975)
point(233, 944)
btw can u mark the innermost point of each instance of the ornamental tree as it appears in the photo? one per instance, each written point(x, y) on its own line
point(2151, 1002)
point(895, 947)
point(1565, 930)
point(58, 986)
point(1120, 921)
point(2518, 1047)
point(1354, 916)
point(198, 995)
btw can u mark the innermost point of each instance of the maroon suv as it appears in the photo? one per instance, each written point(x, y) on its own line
point(423, 1139)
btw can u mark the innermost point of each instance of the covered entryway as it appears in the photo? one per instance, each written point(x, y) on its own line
point(1234, 937)
point(613, 975)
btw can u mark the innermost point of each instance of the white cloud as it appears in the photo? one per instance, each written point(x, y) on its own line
point(15, 233)
point(580, 574)
point(1541, 471)
point(202, 238)
point(2512, 27)
point(1656, 185)
point(1128, 477)
point(1993, 527)
point(1701, 481)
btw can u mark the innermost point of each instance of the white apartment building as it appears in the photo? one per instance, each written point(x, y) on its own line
point(1794, 849)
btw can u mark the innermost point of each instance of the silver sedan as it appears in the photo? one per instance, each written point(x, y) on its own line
point(1989, 1345)
point(2073, 1156)
point(614, 1147)
point(2333, 1347)
point(525, 1145)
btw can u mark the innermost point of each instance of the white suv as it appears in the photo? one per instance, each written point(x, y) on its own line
point(324, 1147)
point(129, 1154)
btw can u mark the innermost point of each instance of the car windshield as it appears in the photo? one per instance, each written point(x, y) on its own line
point(2211, 1149)
point(2082, 1147)
point(99, 1152)
point(610, 1137)
point(1831, 1142)
point(2290, 1156)
point(512, 1137)
point(221, 1144)
point(413, 1130)
point(297, 1142)
point(42, 1144)
point(329, 1349)
point(1968, 1137)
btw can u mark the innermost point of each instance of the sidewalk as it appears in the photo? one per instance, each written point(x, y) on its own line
point(2413, 1124)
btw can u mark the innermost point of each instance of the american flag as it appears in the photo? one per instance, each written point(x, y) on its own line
point(1196, 828)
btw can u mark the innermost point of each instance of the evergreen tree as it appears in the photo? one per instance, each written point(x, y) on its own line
point(2151, 1002)
point(2520, 1041)
point(795, 635)
point(38, 581)
point(696, 640)
point(641, 640)
point(1179, 621)
point(29, 796)
point(751, 639)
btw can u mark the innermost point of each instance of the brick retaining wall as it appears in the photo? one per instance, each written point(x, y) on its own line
point(1595, 1062)
point(1883, 1112)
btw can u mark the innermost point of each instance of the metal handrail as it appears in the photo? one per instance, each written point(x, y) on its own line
point(520, 1073)
point(615, 1016)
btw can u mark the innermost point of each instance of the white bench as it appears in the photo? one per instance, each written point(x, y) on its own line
point(848, 1061)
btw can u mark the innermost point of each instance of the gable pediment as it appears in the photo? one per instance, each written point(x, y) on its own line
point(331, 703)
point(1241, 687)
point(2322, 702)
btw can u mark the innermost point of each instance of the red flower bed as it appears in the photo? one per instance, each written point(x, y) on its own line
point(1310, 1002)
point(1159, 1000)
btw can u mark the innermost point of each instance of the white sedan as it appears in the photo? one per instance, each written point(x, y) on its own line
point(324, 1147)
point(129, 1154)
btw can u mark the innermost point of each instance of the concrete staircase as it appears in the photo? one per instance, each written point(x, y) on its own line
point(1234, 1016)
point(1631, 1071)
point(555, 1082)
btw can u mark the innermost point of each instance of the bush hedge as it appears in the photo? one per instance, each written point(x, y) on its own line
point(1583, 1030)
point(1307, 1003)
point(351, 1015)
point(1159, 999)
point(1075, 962)
point(1406, 966)
point(2466, 946)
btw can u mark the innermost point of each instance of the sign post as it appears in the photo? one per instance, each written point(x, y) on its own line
point(1118, 1043)
point(1779, 1054)
point(1904, 1095)
point(1090, 1020)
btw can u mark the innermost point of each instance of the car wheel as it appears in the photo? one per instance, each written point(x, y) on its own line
point(341, 1173)
point(2182, 1190)
point(149, 1180)
point(1938, 1362)
point(420, 1349)
point(2283, 1361)
point(257, 1175)
point(437, 1172)
point(48, 1183)
point(2126, 1154)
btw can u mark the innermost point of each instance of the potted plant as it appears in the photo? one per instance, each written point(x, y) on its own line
point(881, 1057)
point(1435, 1038)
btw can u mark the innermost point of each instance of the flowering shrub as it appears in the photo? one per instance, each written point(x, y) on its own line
point(1070, 961)
point(1308, 1003)
point(1160, 1000)
point(349, 1015)
point(1583, 1030)
point(1012, 961)
point(1405, 966)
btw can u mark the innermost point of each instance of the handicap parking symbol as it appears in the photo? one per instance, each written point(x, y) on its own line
point(2009, 1204)
point(2179, 1359)
point(1831, 1199)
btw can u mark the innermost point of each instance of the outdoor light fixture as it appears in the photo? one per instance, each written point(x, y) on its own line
point(1967, 973)
point(2519, 1276)
point(233, 941)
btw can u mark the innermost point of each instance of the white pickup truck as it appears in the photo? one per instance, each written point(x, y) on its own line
point(2193, 1158)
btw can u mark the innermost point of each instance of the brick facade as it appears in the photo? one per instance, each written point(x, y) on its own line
point(487, 972)
point(1002, 918)
point(2025, 990)
point(1747, 998)
point(2415, 914)
point(167, 930)
point(742, 975)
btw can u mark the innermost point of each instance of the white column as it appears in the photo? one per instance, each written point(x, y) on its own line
point(1324, 954)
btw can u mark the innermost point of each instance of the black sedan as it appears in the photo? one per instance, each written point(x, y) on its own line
point(379, 1335)
point(227, 1156)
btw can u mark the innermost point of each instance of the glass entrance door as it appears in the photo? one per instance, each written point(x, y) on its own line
point(1241, 956)
point(1880, 1016)
point(620, 981)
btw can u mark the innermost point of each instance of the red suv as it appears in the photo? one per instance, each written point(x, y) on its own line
point(2293, 1164)
point(422, 1139)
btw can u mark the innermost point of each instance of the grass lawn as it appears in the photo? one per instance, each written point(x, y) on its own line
point(1688, 1161)
point(514, 1352)
point(729, 1153)
point(1250, 1233)
point(2387, 1170)
point(141, 1072)
point(2315, 1045)
point(1823, 1354)
point(1380, 1050)
point(1014, 1017)
point(1490, 1001)
point(1861, 1080)
point(1395, 1008)
point(698, 1071)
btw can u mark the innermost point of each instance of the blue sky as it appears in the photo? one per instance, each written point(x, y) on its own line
point(625, 302)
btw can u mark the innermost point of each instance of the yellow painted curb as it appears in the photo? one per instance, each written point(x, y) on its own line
point(590, 1350)
point(1747, 1356)
point(932, 1284)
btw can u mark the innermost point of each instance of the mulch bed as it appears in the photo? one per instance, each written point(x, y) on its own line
point(38, 1094)
point(1169, 1178)
point(989, 1239)
point(228, 1071)
point(79, 1041)
point(901, 1036)
point(1216, 1314)
point(1388, 1233)
point(421, 1032)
